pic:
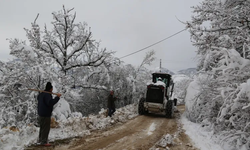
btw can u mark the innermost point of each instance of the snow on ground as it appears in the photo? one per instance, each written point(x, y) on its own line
point(74, 126)
point(202, 138)
point(151, 129)
point(77, 125)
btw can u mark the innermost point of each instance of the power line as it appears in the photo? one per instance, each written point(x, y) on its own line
point(152, 44)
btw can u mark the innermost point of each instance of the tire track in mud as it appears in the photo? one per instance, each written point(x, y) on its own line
point(131, 135)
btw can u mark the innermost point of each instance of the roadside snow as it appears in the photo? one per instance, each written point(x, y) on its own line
point(202, 138)
point(166, 140)
point(74, 126)
point(62, 110)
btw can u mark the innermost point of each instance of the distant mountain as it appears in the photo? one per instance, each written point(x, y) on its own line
point(180, 77)
point(188, 72)
point(163, 70)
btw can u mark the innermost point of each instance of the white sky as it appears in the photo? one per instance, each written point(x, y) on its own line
point(124, 26)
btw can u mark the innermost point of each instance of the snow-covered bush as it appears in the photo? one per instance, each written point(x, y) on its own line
point(220, 32)
point(199, 105)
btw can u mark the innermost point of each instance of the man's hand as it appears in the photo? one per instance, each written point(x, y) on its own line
point(58, 95)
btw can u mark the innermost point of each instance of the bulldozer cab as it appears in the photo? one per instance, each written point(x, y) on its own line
point(164, 77)
point(167, 79)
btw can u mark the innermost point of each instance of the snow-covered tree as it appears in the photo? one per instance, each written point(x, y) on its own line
point(220, 31)
point(67, 55)
point(78, 68)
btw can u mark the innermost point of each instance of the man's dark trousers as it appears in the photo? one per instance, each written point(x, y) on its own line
point(44, 129)
point(111, 111)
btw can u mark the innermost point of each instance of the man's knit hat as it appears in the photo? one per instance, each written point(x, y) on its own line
point(48, 86)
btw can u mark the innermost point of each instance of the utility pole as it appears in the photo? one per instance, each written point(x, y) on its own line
point(160, 65)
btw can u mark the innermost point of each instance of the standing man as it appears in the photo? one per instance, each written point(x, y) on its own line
point(45, 108)
point(111, 103)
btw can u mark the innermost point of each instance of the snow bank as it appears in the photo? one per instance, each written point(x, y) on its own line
point(11, 138)
point(74, 126)
point(202, 138)
point(62, 110)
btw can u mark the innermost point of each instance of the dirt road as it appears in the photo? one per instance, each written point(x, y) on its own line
point(140, 133)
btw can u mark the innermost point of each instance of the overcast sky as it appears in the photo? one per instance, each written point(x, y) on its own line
point(124, 26)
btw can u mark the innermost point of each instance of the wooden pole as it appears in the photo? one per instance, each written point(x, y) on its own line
point(43, 91)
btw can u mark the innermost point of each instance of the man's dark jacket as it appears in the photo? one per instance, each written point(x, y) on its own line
point(45, 104)
point(111, 101)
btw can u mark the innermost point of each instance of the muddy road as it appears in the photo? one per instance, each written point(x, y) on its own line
point(140, 133)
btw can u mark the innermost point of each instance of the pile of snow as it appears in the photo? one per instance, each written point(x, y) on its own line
point(62, 110)
point(16, 139)
point(165, 141)
point(74, 126)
